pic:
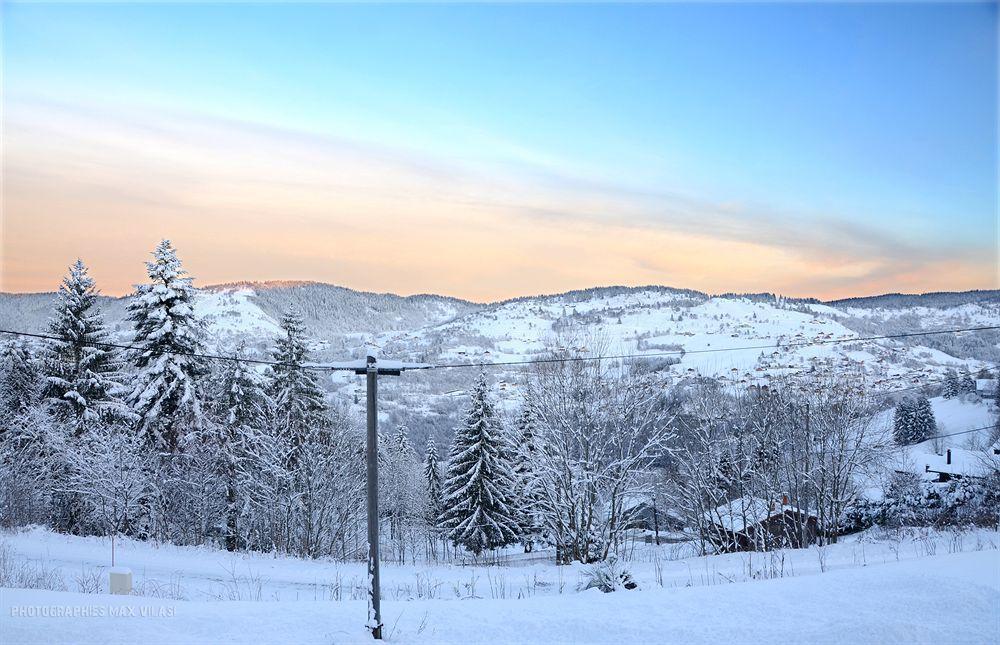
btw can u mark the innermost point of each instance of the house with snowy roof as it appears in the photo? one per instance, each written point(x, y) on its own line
point(986, 387)
point(952, 463)
point(755, 524)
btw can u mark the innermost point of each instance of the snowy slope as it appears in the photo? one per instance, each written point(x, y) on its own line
point(738, 339)
point(971, 452)
point(951, 597)
point(705, 334)
point(232, 312)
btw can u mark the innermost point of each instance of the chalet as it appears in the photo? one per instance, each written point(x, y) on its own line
point(756, 524)
point(957, 463)
point(952, 464)
point(986, 387)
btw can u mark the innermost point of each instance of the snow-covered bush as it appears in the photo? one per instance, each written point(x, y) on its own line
point(609, 575)
point(911, 502)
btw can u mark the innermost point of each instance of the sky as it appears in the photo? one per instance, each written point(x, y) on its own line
point(490, 151)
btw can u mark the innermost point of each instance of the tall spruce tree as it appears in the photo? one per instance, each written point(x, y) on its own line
point(402, 441)
point(82, 373)
point(479, 514)
point(525, 453)
point(432, 479)
point(924, 426)
point(914, 421)
point(952, 385)
point(242, 412)
point(903, 422)
point(299, 406)
point(166, 398)
point(19, 380)
point(967, 384)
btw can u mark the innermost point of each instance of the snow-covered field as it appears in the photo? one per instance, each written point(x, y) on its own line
point(917, 588)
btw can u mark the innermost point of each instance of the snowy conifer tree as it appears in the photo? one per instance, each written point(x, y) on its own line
point(19, 380)
point(402, 442)
point(924, 426)
point(81, 376)
point(525, 457)
point(914, 421)
point(967, 384)
point(243, 410)
point(479, 483)
point(299, 406)
point(432, 478)
point(903, 422)
point(166, 396)
point(952, 385)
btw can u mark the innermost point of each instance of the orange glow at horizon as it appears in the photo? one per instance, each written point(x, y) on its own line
point(255, 204)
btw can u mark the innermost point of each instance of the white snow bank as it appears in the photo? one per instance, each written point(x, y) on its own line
point(952, 598)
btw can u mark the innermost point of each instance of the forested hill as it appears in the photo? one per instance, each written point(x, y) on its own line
point(936, 299)
point(639, 320)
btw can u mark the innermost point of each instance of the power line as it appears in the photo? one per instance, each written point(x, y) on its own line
point(236, 359)
point(920, 386)
point(894, 448)
point(955, 434)
point(889, 447)
point(482, 365)
point(136, 348)
point(683, 352)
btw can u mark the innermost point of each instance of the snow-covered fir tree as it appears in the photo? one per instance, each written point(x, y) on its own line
point(299, 405)
point(924, 425)
point(967, 384)
point(402, 442)
point(902, 422)
point(242, 412)
point(166, 397)
point(243, 402)
point(432, 480)
point(525, 454)
point(82, 373)
point(952, 385)
point(19, 380)
point(914, 421)
point(479, 512)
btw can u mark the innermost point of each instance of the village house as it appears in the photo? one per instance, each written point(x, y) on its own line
point(756, 524)
point(953, 463)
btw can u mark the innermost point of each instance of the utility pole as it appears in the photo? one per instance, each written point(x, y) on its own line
point(371, 451)
point(371, 368)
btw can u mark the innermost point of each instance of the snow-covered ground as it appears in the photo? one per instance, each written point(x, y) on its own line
point(924, 587)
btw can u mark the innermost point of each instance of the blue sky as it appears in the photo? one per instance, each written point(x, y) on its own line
point(856, 116)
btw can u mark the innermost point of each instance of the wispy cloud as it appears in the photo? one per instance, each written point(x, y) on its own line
point(246, 201)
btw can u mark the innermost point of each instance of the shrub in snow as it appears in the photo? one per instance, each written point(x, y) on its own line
point(910, 502)
point(607, 576)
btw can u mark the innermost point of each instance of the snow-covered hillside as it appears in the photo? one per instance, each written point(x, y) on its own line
point(703, 335)
point(736, 339)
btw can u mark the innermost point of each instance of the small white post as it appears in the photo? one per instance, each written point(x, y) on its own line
point(119, 578)
point(120, 581)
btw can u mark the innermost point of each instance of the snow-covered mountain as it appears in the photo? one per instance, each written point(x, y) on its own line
point(733, 338)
